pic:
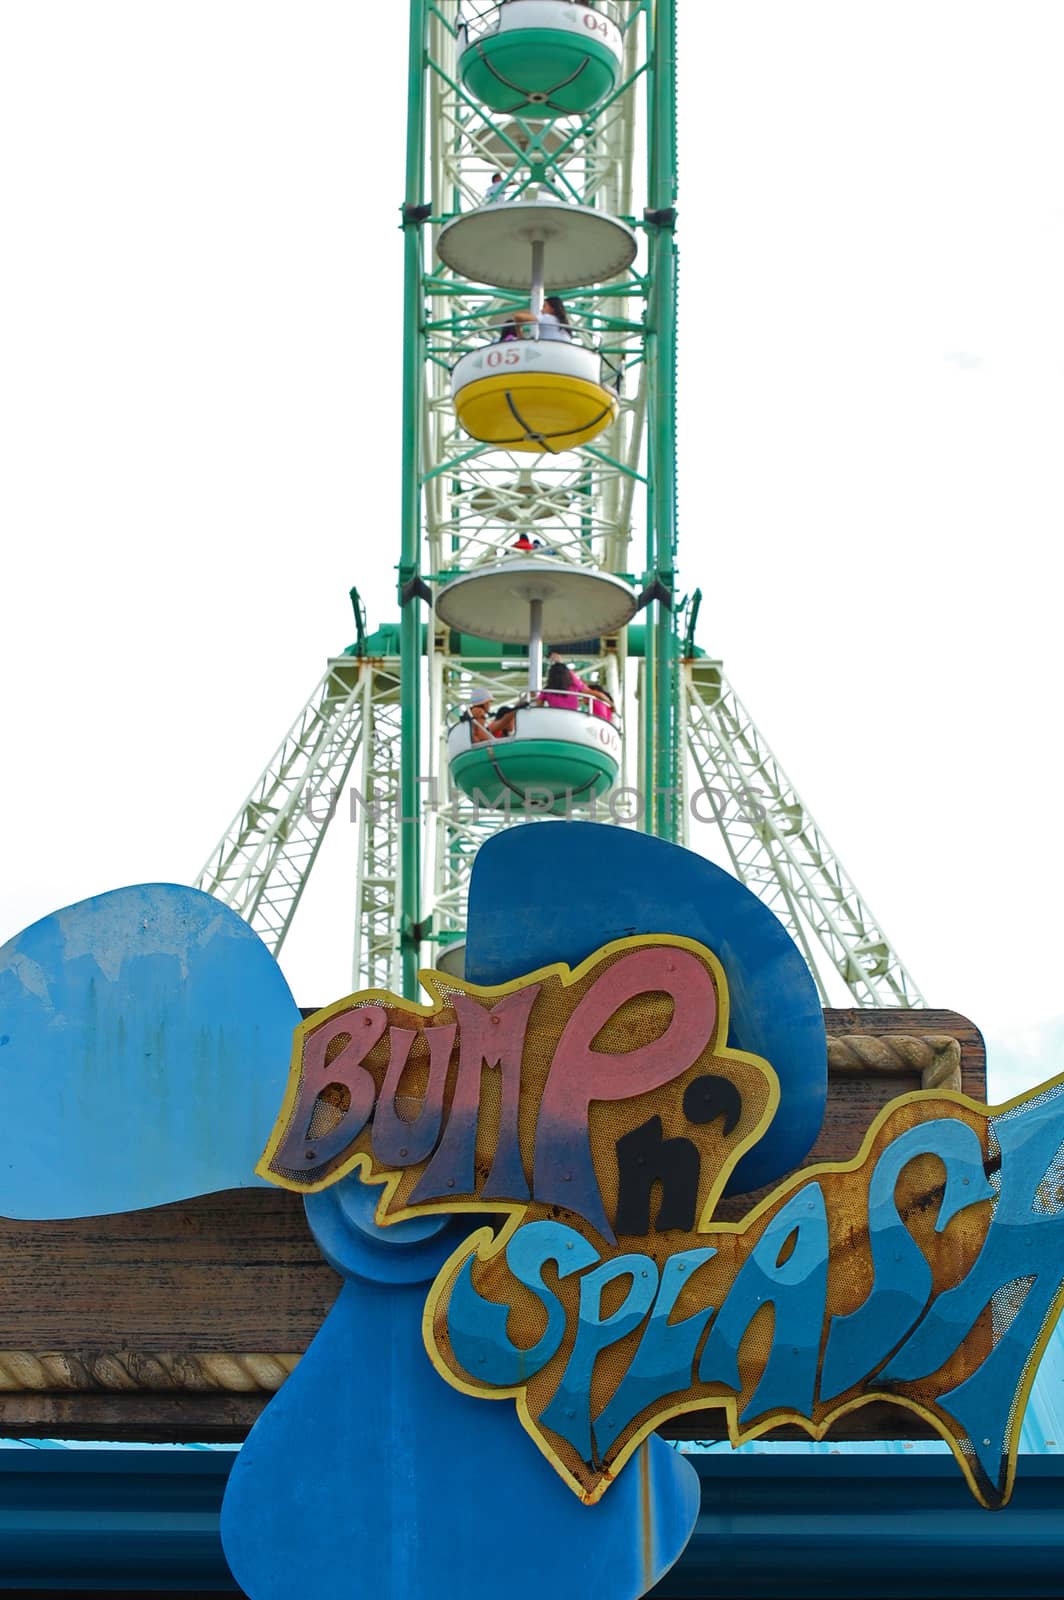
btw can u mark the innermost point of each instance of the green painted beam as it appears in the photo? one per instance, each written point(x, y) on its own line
point(410, 561)
point(661, 708)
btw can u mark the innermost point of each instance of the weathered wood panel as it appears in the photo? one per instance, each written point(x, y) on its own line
point(227, 1272)
point(132, 1418)
point(169, 1323)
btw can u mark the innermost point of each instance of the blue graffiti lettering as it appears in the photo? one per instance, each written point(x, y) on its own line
point(477, 1327)
point(901, 1284)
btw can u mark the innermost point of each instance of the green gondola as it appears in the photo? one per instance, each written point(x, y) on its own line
point(541, 775)
point(551, 56)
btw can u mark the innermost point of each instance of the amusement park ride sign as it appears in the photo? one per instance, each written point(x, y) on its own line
point(554, 1184)
point(599, 1113)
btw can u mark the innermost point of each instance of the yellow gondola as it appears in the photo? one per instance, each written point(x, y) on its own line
point(533, 395)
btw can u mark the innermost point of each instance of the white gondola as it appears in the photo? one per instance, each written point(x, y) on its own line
point(545, 57)
point(553, 756)
point(553, 761)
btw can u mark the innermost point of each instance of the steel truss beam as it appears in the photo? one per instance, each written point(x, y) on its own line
point(375, 805)
point(776, 847)
point(261, 864)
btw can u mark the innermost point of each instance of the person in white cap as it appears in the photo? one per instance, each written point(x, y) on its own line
point(477, 715)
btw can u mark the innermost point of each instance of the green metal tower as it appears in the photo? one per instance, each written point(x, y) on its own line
point(538, 508)
point(455, 491)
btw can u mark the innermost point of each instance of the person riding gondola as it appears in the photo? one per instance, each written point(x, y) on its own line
point(563, 688)
point(602, 702)
point(554, 320)
point(552, 323)
point(476, 714)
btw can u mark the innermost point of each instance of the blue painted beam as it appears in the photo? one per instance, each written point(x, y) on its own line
point(113, 1520)
point(788, 1526)
point(780, 1526)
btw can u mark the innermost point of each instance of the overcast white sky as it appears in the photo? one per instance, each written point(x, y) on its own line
point(199, 415)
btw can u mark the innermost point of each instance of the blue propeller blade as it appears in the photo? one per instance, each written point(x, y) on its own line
point(145, 1036)
point(368, 1476)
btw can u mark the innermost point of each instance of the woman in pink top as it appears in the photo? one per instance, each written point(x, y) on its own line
point(562, 681)
point(602, 702)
